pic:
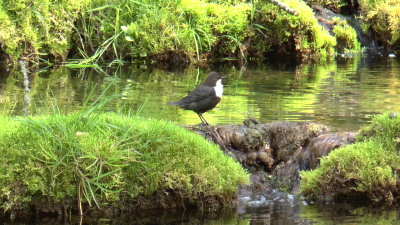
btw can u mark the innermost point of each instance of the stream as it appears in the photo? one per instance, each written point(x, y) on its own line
point(344, 93)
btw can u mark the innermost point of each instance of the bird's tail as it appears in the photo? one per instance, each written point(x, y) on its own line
point(173, 103)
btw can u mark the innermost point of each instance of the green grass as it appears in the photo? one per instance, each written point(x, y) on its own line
point(94, 31)
point(368, 167)
point(105, 159)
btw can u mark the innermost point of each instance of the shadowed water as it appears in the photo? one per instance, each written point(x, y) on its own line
point(344, 94)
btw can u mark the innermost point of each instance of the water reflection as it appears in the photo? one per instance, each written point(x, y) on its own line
point(344, 94)
point(269, 208)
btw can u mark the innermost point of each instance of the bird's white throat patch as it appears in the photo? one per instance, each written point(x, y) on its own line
point(219, 89)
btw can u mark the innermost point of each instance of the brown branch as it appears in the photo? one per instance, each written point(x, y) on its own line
point(285, 7)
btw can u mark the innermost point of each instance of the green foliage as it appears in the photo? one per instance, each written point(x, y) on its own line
point(333, 5)
point(30, 28)
point(346, 36)
point(301, 34)
point(116, 30)
point(383, 17)
point(186, 25)
point(103, 158)
point(385, 128)
point(7, 32)
point(367, 167)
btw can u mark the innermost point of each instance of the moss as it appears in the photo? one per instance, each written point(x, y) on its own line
point(346, 36)
point(334, 5)
point(192, 26)
point(106, 160)
point(30, 28)
point(300, 34)
point(368, 167)
point(382, 17)
point(197, 29)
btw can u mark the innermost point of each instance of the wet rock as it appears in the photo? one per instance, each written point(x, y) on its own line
point(280, 149)
point(266, 159)
point(309, 157)
point(325, 143)
point(252, 156)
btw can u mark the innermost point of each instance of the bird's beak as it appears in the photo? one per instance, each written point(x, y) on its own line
point(224, 77)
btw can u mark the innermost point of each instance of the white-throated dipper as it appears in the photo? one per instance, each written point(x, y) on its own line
point(204, 97)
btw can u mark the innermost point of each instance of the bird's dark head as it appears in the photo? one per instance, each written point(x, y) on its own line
point(212, 79)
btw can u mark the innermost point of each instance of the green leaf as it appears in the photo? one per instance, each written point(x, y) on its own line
point(129, 38)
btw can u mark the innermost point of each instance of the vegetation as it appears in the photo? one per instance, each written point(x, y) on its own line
point(334, 5)
point(368, 167)
point(107, 160)
point(346, 36)
point(36, 28)
point(93, 30)
point(287, 33)
point(382, 17)
point(181, 30)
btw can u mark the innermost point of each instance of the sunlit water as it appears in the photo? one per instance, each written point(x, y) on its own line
point(344, 94)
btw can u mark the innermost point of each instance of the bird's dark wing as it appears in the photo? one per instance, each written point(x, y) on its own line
point(200, 93)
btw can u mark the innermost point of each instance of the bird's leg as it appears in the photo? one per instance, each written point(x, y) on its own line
point(203, 121)
point(201, 118)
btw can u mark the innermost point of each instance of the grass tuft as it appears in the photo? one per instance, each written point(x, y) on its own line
point(104, 158)
point(368, 167)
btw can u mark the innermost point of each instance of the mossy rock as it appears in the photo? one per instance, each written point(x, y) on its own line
point(108, 160)
point(367, 168)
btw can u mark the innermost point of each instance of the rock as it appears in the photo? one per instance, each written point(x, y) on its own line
point(325, 143)
point(266, 159)
point(278, 148)
point(309, 157)
point(252, 156)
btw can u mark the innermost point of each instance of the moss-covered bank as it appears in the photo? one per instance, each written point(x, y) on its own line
point(181, 30)
point(382, 17)
point(368, 168)
point(109, 163)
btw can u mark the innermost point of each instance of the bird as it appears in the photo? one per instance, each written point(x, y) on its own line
point(204, 97)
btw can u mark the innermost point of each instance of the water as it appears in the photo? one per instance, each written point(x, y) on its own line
point(344, 94)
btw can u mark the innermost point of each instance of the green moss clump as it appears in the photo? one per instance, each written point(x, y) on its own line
point(297, 34)
point(107, 160)
point(153, 29)
point(191, 26)
point(382, 17)
point(334, 5)
point(32, 28)
point(368, 167)
point(346, 36)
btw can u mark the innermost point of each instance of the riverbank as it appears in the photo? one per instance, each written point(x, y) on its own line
point(187, 31)
point(86, 163)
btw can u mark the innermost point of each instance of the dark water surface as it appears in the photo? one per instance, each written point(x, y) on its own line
point(344, 94)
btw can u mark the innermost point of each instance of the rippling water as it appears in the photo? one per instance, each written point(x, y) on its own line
point(344, 94)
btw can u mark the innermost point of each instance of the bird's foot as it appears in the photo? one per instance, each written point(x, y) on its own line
point(203, 124)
